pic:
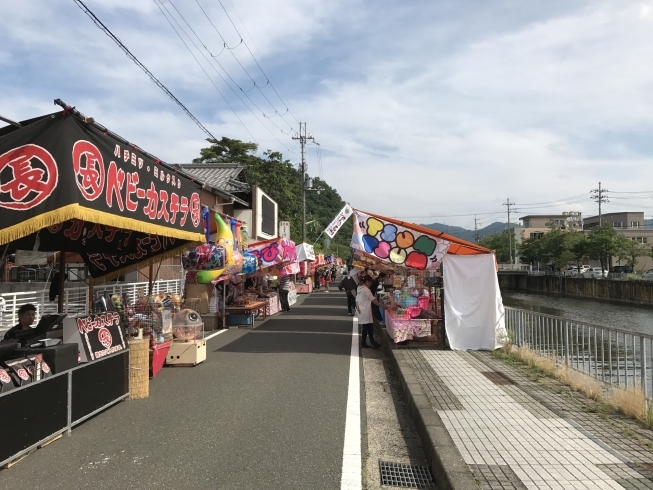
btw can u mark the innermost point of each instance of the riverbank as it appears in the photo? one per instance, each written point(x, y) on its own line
point(629, 292)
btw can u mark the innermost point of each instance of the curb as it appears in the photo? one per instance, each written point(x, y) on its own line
point(447, 466)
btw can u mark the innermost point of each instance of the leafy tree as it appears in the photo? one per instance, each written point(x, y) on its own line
point(530, 250)
point(499, 243)
point(279, 178)
point(628, 250)
point(556, 247)
point(578, 247)
point(602, 244)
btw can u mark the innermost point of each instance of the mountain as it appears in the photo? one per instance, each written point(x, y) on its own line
point(464, 233)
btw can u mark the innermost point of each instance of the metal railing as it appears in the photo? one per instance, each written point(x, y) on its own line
point(75, 299)
point(513, 267)
point(614, 356)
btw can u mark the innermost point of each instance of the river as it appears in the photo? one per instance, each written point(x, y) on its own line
point(628, 317)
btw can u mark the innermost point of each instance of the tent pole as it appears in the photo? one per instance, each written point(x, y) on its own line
point(224, 305)
point(149, 285)
point(91, 294)
point(62, 279)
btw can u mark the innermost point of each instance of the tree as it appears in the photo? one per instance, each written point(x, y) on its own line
point(530, 250)
point(602, 244)
point(499, 243)
point(556, 247)
point(579, 248)
point(628, 250)
point(227, 151)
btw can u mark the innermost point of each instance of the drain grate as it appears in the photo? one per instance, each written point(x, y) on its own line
point(497, 377)
point(405, 475)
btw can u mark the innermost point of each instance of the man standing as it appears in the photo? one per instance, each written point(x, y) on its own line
point(349, 284)
point(364, 301)
point(284, 289)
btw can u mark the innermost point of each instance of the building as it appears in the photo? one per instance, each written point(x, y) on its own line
point(536, 225)
point(623, 221)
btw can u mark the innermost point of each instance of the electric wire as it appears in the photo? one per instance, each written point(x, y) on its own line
point(241, 65)
point(206, 73)
point(132, 57)
point(220, 65)
point(207, 60)
point(256, 61)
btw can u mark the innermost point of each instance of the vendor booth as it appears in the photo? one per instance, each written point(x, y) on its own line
point(69, 185)
point(305, 256)
point(421, 265)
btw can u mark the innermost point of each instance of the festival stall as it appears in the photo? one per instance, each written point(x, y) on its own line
point(305, 256)
point(67, 184)
point(418, 261)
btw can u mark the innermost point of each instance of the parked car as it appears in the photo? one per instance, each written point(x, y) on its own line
point(622, 269)
point(648, 274)
point(575, 271)
point(595, 273)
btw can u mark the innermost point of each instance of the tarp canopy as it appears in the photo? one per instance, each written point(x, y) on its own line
point(65, 184)
point(273, 252)
point(406, 244)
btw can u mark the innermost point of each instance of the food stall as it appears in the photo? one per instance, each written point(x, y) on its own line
point(70, 185)
point(421, 265)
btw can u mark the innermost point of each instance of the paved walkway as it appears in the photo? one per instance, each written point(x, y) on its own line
point(516, 433)
point(267, 409)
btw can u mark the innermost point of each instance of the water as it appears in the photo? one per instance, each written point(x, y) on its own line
point(633, 318)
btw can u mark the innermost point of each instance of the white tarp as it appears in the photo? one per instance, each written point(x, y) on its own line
point(474, 313)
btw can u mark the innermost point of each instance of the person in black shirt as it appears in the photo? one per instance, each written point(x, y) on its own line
point(26, 316)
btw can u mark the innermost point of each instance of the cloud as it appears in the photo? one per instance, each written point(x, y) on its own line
point(421, 108)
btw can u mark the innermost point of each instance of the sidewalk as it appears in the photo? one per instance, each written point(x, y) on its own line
point(513, 432)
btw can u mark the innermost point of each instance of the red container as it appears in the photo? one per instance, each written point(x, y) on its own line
point(158, 355)
point(423, 302)
point(413, 311)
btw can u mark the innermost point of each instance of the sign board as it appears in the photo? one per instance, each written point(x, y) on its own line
point(96, 335)
point(305, 251)
point(284, 229)
point(339, 220)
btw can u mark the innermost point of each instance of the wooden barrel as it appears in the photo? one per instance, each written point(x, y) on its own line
point(139, 369)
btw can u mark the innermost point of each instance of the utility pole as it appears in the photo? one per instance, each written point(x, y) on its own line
point(598, 195)
point(303, 138)
point(508, 204)
point(476, 229)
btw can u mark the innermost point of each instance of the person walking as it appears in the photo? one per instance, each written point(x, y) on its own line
point(316, 280)
point(377, 312)
point(349, 285)
point(364, 301)
point(333, 274)
point(284, 289)
point(326, 275)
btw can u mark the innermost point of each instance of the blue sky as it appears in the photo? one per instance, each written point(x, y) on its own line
point(423, 109)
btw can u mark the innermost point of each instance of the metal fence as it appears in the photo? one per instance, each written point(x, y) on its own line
point(614, 356)
point(75, 299)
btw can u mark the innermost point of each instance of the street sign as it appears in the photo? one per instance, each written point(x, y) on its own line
point(284, 229)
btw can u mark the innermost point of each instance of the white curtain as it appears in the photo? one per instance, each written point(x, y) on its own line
point(474, 313)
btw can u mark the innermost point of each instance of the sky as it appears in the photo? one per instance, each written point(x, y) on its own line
point(426, 111)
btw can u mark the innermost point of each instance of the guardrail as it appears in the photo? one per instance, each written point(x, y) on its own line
point(75, 299)
point(613, 356)
point(513, 267)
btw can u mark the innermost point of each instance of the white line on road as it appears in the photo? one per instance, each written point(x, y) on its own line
point(215, 334)
point(351, 454)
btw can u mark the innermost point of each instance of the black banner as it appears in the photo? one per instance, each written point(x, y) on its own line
point(100, 198)
point(101, 335)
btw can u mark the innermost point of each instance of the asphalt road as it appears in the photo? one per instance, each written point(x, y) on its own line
point(266, 410)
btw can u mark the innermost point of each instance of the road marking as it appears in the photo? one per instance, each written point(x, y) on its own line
point(215, 334)
point(351, 454)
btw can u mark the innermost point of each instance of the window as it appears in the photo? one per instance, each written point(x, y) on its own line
point(267, 223)
point(640, 239)
point(634, 224)
point(537, 235)
point(617, 224)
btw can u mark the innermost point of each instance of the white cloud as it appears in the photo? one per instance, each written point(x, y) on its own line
point(420, 109)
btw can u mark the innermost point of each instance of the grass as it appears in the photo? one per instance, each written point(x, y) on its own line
point(631, 402)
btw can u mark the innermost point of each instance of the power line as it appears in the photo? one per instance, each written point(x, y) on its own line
point(129, 54)
point(241, 65)
point(214, 69)
point(256, 61)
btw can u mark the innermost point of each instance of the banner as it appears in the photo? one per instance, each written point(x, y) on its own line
point(101, 334)
point(78, 187)
point(338, 221)
point(398, 245)
point(273, 252)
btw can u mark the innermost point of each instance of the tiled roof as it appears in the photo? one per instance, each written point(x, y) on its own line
point(222, 176)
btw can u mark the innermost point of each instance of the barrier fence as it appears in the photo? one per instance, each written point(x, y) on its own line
point(614, 356)
point(75, 299)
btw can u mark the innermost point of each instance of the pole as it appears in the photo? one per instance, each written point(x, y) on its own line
point(508, 204)
point(303, 137)
point(598, 195)
point(62, 279)
point(600, 218)
point(475, 229)
point(149, 284)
